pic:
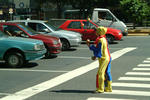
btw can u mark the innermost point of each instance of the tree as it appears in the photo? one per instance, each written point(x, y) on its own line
point(136, 10)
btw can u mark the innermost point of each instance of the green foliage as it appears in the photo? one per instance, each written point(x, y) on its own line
point(137, 10)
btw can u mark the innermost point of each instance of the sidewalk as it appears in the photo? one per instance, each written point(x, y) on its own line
point(139, 32)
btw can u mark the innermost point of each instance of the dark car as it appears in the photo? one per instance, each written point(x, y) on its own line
point(52, 44)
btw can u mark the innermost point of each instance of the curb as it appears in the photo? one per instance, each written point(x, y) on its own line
point(138, 34)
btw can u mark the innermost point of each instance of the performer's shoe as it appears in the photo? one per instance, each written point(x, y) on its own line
point(98, 91)
point(108, 89)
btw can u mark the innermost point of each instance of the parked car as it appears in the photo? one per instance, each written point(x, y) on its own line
point(17, 51)
point(68, 38)
point(87, 29)
point(52, 44)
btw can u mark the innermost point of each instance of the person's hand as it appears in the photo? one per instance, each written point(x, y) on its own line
point(88, 42)
point(93, 57)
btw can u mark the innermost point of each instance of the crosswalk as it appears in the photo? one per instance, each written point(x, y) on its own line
point(135, 84)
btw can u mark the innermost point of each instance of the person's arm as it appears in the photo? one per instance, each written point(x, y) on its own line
point(96, 50)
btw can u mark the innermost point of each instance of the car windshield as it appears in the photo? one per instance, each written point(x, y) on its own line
point(95, 23)
point(54, 28)
point(28, 30)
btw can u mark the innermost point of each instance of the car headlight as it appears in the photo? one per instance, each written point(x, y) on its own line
point(126, 30)
point(120, 33)
point(55, 42)
point(38, 47)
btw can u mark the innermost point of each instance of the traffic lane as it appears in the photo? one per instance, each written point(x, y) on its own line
point(65, 90)
point(69, 60)
point(82, 87)
point(15, 80)
point(18, 80)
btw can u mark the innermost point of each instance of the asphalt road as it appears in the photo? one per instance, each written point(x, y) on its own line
point(71, 75)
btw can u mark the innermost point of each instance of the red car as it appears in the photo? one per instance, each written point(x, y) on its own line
point(52, 44)
point(87, 29)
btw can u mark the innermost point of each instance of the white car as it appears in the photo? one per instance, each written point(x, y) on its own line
point(68, 38)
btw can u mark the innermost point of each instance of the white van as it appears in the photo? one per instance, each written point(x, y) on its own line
point(105, 17)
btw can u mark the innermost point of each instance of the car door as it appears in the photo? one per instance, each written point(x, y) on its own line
point(77, 26)
point(89, 30)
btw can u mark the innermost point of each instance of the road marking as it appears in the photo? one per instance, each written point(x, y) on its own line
point(147, 69)
point(5, 94)
point(134, 78)
point(137, 73)
point(83, 48)
point(129, 92)
point(28, 92)
point(144, 65)
point(148, 58)
point(146, 61)
point(119, 53)
point(28, 70)
point(139, 85)
point(74, 57)
point(96, 98)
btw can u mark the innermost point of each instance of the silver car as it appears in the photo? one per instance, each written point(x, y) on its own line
point(68, 38)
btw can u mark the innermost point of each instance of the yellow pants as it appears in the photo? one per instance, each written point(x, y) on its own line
point(100, 78)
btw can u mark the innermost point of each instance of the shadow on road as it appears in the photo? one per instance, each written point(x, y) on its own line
point(73, 91)
point(28, 65)
point(71, 49)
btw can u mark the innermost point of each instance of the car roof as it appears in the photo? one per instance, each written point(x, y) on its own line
point(9, 23)
point(40, 21)
point(76, 20)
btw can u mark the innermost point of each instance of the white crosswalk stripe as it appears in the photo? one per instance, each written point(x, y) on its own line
point(144, 65)
point(138, 73)
point(136, 76)
point(129, 92)
point(146, 61)
point(141, 69)
point(139, 85)
point(93, 98)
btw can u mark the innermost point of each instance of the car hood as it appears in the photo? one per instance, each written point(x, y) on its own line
point(44, 37)
point(112, 30)
point(68, 33)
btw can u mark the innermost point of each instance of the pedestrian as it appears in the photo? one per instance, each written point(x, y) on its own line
point(101, 51)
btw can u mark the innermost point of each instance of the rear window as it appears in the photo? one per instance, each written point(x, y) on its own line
point(75, 25)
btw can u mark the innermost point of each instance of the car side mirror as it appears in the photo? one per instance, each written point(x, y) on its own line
point(45, 30)
point(113, 19)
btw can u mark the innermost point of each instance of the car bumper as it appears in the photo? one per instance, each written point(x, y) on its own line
point(118, 37)
point(34, 55)
point(75, 42)
point(125, 33)
point(55, 49)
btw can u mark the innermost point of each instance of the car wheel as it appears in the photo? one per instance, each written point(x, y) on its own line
point(65, 45)
point(47, 54)
point(110, 38)
point(14, 59)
